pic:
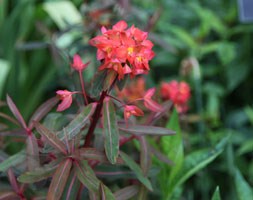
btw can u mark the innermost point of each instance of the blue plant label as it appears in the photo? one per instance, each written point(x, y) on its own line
point(246, 10)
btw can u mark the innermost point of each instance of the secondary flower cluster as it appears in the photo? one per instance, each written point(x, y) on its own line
point(178, 92)
point(125, 51)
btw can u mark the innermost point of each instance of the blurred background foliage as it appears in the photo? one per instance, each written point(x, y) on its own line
point(201, 42)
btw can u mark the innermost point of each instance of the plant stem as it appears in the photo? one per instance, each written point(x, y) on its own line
point(95, 119)
point(96, 114)
point(82, 85)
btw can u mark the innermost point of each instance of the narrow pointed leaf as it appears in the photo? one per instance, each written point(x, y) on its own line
point(87, 176)
point(10, 195)
point(7, 117)
point(59, 180)
point(145, 130)
point(43, 110)
point(195, 162)
point(243, 189)
point(216, 194)
point(105, 192)
point(126, 193)
point(16, 112)
point(136, 169)
point(13, 180)
point(173, 149)
point(39, 174)
point(72, 189)
point(111, 131)
point(142, 193)
point(12, 161)
point(75, 126)
point(15, 133)
point(51, 137)
point(94, 154)
point(32, 150)
point(160, 156)
point(145, 160)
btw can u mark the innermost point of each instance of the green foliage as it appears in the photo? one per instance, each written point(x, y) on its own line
point(201, 42)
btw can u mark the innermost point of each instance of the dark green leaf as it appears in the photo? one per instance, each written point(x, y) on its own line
point(111, 131)
point(145, 130)
point(121, 83)
point(136, 169)
point(59, 180)
point(98, 83)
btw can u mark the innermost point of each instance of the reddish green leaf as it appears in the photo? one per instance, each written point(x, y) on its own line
point(94, 154)
point(75, 126)
point(32, 149)
point(126, 193)
point(105, 192)
point(12, 161)
point(136, 169)
point(159, 155)
point(111, 131)
point(87, 176)
point(16, 132)
point(7, 117)
point(59, 180)
point(9, 195)
point(51, 137)
point(145, 130)
point(145, 160)
point(39, 174)
point(16, 112)
point(142, 193)
point(13, 180)
point(43, 110)
point(72, 189)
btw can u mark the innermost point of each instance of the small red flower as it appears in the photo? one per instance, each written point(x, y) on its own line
point(78, 63)
point(178, 92)
point(151, 104)
point(131, 110)
point(126, 51)
point(66, 98)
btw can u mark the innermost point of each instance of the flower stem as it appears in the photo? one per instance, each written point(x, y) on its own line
point(82, 85)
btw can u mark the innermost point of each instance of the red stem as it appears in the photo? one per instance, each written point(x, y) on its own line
point(82, 85)
point(95, 119)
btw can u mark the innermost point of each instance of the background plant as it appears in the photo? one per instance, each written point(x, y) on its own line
point(217, 63)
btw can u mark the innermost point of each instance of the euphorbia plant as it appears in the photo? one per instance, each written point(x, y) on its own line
point(79, 153)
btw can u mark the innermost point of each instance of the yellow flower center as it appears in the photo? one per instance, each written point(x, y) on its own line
point(130, 50)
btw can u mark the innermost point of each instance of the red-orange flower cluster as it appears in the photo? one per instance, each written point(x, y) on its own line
point(178, 92)
point(125, 51)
